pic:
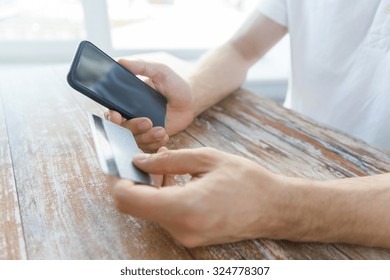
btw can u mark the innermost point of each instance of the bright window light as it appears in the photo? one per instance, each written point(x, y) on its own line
point(41, 20)
point(174, 24)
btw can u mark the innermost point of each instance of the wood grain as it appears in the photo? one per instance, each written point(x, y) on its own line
point(182, 140)
point(243, 123)
point(67, 213)
point(66, 209)
point(12, 244)
point(241, 250)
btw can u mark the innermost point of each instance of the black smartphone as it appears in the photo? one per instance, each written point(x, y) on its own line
point(101, 78)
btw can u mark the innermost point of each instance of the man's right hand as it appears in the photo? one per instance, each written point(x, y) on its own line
point(180, 112)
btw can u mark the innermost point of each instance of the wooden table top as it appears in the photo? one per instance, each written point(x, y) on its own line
point(54, 201)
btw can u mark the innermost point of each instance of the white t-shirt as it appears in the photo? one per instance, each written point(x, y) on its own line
point(340, 52)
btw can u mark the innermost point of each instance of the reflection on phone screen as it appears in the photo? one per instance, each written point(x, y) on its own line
point(106, 78)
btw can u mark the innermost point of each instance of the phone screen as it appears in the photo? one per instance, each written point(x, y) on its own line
point(108, 80)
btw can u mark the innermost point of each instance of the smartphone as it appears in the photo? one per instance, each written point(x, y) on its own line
point(101, 78)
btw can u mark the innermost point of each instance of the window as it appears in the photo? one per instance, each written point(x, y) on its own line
point(41, 20)
point(174, 24)
point(40, 30)
point(49, 30)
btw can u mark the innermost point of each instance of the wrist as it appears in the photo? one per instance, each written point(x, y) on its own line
point(288, 215)
point(195, 102)
point(300, 212)
point(314, 211)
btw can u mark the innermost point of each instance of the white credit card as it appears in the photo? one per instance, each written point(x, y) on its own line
point(116, 147)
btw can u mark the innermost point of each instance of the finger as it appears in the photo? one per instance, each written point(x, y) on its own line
point(192, 161)
point(144, 201)
point(114, 117)
point(112, 181)
point(157, 178)
point(150, 83)
point(151, 70)
point(168, 180)
point(153, 147)
point(155, 134)
point(138, 125)
point(162, 149)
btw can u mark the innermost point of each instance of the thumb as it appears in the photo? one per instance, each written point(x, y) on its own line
point(192, 161)
point(143, 201)
point(161, 77)
point(152, 70)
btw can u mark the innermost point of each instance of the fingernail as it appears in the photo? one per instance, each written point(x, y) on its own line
point(143, 125)
point(162, 149)
point(141, 157)
point(159, 134)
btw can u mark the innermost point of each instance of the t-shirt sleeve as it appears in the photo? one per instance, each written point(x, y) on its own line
point(275, 10)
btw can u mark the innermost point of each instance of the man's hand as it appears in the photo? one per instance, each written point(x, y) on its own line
point(179, 109)
point(229, 198)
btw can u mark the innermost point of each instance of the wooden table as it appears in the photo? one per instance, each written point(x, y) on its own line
point(54, 202)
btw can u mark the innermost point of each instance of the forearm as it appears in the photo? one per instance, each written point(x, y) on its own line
point(354, 210)
point(219, 73)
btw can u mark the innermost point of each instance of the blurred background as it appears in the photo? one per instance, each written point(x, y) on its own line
point(48, 31)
